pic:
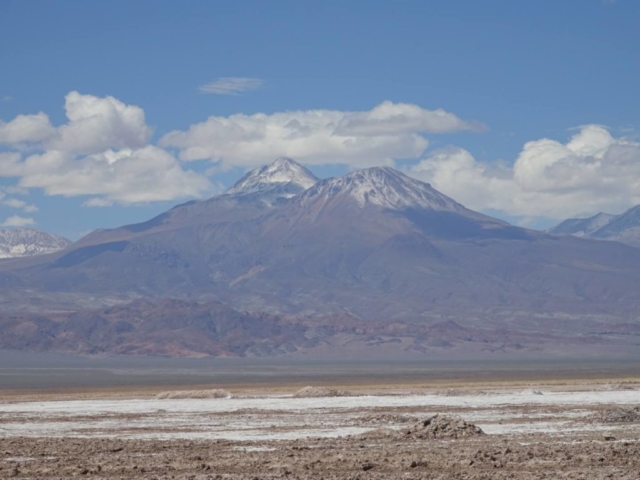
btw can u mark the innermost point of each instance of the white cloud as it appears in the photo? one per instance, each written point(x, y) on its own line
point(20, 204)
point(102, 151)
point(94, 125)
point(98, 202)
point(390, 118)
point(358, 139)
point(12, 190)
point(26, 129)
point(148, 174)
point(9, 163)
point(592, 172)
point(231, 85)
point(17, 221)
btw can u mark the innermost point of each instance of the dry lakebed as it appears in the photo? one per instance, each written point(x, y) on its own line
point(553, 431)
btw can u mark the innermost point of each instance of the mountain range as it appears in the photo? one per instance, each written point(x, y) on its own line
point(282, 258)
point(624, 228)
point(176, 328)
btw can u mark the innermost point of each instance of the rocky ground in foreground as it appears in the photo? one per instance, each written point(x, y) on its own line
point(579, 432)
point(480, 457)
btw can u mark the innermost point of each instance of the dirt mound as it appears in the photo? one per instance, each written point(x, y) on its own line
point(217, 393)
point(314, 392)
point(440, 426)
point(618, 415)
point(436, 427)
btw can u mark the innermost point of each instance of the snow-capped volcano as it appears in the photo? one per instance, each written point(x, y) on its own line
point(24, 242)
point(283, 178)
point(374, 243)
point(384, 187)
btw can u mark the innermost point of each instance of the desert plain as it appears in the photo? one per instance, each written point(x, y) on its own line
point(547, 427)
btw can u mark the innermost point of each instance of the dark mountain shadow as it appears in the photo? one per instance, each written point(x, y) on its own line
point(452, 226)
point(83, 254)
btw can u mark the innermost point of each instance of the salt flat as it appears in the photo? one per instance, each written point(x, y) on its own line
point(286, 417)
point(589, 432)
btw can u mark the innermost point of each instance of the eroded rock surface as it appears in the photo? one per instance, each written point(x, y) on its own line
point(440, 426)
point(619, 415)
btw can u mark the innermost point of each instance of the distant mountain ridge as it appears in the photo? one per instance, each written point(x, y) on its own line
point(582, 227)
point(624, 228)
point(25, 242)
point(188, 329)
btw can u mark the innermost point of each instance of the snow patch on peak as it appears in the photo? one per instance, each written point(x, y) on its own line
point(283, 178)
point(285, 170)
point(622, 226)
point(385, 187)
point(582, 227)
point(25, 242)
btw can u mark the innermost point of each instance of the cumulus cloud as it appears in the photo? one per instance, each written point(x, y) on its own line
point(102, 151)
point(148, 174)
point(359, 139)
point(390, 118)
point(9, 161)
point(26, 129)
point(231, 85)
point(94, 125)
point(19, 204)
point(11, 189)
point(592, 172)
point(17, 221)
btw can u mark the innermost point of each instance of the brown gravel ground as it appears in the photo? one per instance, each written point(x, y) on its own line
point(583, 456)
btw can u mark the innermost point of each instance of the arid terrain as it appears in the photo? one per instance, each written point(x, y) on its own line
point(573, 430)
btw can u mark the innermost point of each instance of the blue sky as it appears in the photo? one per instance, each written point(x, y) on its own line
point(542, 98)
